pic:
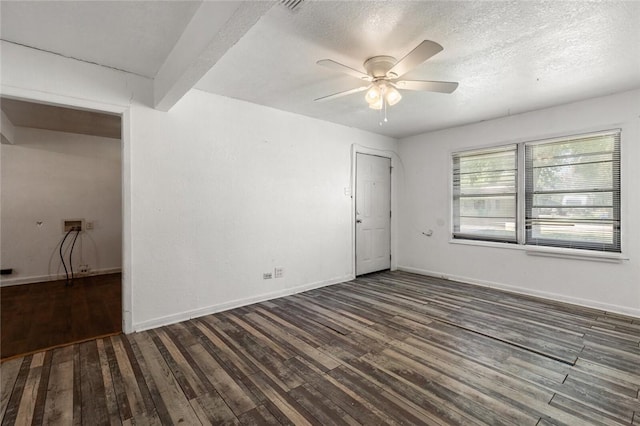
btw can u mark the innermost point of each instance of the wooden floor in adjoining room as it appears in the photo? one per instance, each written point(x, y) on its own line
point(42, 315)
point(388, 348)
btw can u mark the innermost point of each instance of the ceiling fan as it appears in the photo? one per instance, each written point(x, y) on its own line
point(383, 74)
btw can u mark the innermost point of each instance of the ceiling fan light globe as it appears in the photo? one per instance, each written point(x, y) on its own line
point(373, 95)
point(392, 96)
point(377, 104)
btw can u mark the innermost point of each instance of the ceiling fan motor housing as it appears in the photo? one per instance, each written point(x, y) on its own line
point(379, 66)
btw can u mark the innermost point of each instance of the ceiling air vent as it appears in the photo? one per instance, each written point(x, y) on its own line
point(292, 5)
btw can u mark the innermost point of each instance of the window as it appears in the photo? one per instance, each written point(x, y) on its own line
point(573, 193)
point(484, 194)
point(569, 187)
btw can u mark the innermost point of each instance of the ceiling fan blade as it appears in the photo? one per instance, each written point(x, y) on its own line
point(421, 53)
point(429, 86)
point(336, 66)
point(341, 94)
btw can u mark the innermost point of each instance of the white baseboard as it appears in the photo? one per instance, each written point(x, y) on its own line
point(6, 282)
point(624, 310)
point(199, 312)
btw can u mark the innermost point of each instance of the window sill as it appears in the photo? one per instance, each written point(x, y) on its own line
point(575, 254)
point(558, 252)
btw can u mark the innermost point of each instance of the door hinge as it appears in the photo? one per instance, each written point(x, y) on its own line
point(389, 213)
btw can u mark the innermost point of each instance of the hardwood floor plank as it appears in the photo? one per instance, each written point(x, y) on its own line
point(586, 413)
point(265, 358)
point(109, 389)
point(283, 407)
point(593, 381)
point(199, 378)
point(13, 403)
point(492, 382)
point(212, 410)
point(59, 398)
point(132, 381)
point(48, 314)
point(349, 401)
point(608, 373)
point(290, 327)
point(387, 348)
point(219, 345)
point(177, 364)
point(437, 410)
point(562, 347)
point(8, 374)
point(281, 349)
point(296, 346)
point(231, 389)
point(456, 391)
point(258, 416)
point(613, 358)
point(375, 331)
point(30, 393)
point(117, 381)
point(321, 407)
point(93, 395)
point(38, 411)
point(154, 405)
point(171, 403)
point(374, 395)
point(407, 395)
point(599, 399)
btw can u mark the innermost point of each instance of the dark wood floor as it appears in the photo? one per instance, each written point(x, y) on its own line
point(43, 315)
point(389, 348)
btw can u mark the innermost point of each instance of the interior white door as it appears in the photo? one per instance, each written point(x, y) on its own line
point(373, 213)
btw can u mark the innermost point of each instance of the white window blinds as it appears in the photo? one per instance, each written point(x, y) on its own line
point(572, 190)
point(484, 194)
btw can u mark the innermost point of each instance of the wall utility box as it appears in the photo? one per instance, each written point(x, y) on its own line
point(72, 224)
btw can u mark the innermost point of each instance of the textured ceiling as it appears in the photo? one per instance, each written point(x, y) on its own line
point(134, 36)
point(509, 57)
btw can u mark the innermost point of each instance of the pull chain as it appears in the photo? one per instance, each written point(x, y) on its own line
point(384, 107)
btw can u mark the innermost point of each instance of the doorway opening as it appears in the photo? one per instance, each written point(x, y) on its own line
point(62, 225)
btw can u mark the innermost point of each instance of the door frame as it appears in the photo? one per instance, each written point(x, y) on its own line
point(393, 156)
point(125, 142)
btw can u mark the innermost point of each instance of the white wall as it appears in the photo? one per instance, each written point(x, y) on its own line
point(424, 202)
point(216, 191)
point(47, 177)
point(224, 191)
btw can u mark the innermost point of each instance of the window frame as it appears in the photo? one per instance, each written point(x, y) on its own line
point(488, 150)
point(582, 249)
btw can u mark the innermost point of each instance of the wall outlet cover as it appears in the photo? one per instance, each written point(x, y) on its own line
point(278, 272)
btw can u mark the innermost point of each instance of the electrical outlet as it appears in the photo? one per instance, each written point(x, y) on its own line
point(267, 276)
point(278, 272)
point(88, 225)
point(84, 269)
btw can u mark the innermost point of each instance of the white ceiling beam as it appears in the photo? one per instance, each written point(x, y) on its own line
point(214, 29)
point(7, 130)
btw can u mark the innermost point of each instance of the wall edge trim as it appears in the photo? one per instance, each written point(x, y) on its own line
point(524, 291)
point(212, 309)
point(34, 279)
